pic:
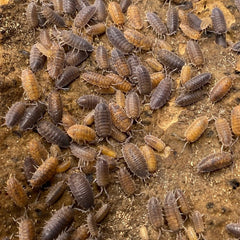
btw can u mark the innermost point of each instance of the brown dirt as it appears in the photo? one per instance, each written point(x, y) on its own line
point(215, 195)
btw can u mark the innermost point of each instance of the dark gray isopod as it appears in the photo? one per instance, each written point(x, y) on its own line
point(69, 6)
point(81, 190)
point(15, 114)
point(144, 80)
point(89, 101)
point(234, 229)
point(161, 94)
point(124, 4)
point(172, 20)
point(236, 47)
point(156, 23)
point(194, 21)
point(117, 39)
point(197, 82)
point(53, 134)
point(59, 221)
point(52, 17)
point(36, 60)
point(187, 99)
point(31, 116)
point(69, 74)
point(101, 13)
point(75, 57)
point(102, 172)
point(170, 60)
point(218, 21)
point(102, 119)
point(135, 160)
point(84, 16)
point(55, 107)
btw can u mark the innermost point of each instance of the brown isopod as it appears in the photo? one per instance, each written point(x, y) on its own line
point(68, 120)
point(55, 192)
point(126, 181)
point(89, 118)
point(135, 160)
point(101, 12)
point(120, 98)
point(196, 129)
point(155, 213)
point(224, 132)
point(156, 78)
point(119, 117)
point(133, 62)
point(96, 79)
point(59, 221)
point(143, 79)
point(172, 213)
point(116, 13)
point(32, 15)
point(45, 50)
point(119, 63)
point(96, 29)
point(53, 134)
point(69, 7)
point(195, 53)
point(194, 21)
point(134, 17)
point(102, 119)
point(186, 99)
point(69, 74)
point(44, 172)
point(81, 233)
point(76, 41)
point(156, 23)
point(14, 114)
point(37, 150)
point(89, 101)
point(124, 4)
point(161, 94)
point(118, 135)
point(190, 32)
point(154, 64)
point(172, 20)
point(37, 59)
point(102, 212)
point(92, 226)
point(84, 16)
point(30, 85)
point(58, 6)
point(52, 17)
point(16, 192)
point(218, 21)
point(191, 234)
point(45, 39)
point(102, 57)
point(138, 39)
point(234, 229)
point(29, 167)
point(221, 88)
point(133, 105)
point(215, 162)
point(81, 190)
point(155, 143)
point(162, 44)
point(26, 229)
point(119, 83)
point(170, 60)
point(197, 219)
point(150, 157)
point(118, 40)
point(75, 57)
point(31, 116)
point(235, 120)
point(55, 107)
point(81, 133)
point(197, 81)
point(182, 201)
point(64, 166)
point(185, 74)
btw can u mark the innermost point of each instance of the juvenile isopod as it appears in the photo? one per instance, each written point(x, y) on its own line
point(37, 59)
point(172, 20)
point(44, 172)
point(150, 157)
point(224, 132)
point(134, 17)
point(161, 94)
point(89, 101)
point(107, 151)
point(89, 118)
point(154, 64)
point(182, 201)
point(197, 219)
point(120, 98)
point(126, 181)
point(186, 99)
point(116, 13)
point(195, 53)
point(53, 134)
point(215, 162)
point(59, 221)
point(235, 120)
point(92, 226)
point(16, 192)
point(102, 212)
point(52, 17)
point(197, 81)
point(218, 21)
point(26, 229)
point(55, 107)
point(156, 23)
point(14, 114)
point(135, 160)
point(30, 85)
point(186, 73)
point(234, 229)
point(133, 105)
point(81, 190)
point(155, 143)
point(221, 88)
point(102, 119)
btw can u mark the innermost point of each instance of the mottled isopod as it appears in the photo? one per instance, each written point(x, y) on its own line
point(195, 53)
point(182, 201)
point(197, 219)
point(102, 173)
point(186, 73)
point(69, 6)
point(101, 12)
point(172, 20)
point(68, 120)
point(55, 107)
point(102, 57)
point(133, 105)
point(155, 142)
point(81, 190)
point(118, 135)
point(154, 64)
point(120, 98)
point(119, 82)
point(135, 160)
point(190, 32)
point(156, 23)
point(215, 162)
point(36, 60)
point(84, 16)
point(150, 157)
point(76, 57)
point(96, 79)
point(31, 14)
point(116, 13)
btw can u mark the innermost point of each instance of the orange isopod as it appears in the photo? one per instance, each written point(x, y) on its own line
point(26, 229)
point(107, 151)
point(120, 98)
point(116, 13)
point(186, 74)
point(30, 85)
point(150, 157)
point(81, 133)
point(96, 79)
point(154, 142)
point(119, 83)
point(196, 129)
point(154, 64)
point(134, 17)
point(156, 78)
point(89, 118)
point(235, 120)
point(16, 192)
point(64, 166)
point(190, 32)
point(68, 120)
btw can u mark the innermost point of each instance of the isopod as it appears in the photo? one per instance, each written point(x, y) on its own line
point(52, 17)
point(156, 23)
point(124, 4)
point(194, 21)
point(144, 80)
point(92, 225)
point(186, 73)
point(116, 13)
point(120, 98)
point(156, 78)
point(191, 234)
point(218, 21)
point(172, 20)
point(195, 53)
point(197, 219)
point(81, 190)
point(182, 201)
point(102, 173)
point(135, 160)
point(223, 131)
point(119, 82)
point(215, 162)
point(154, 64)
point(155, 142)
point(69, 6)
point(26, 229)
point(150, 157)
point(107, 151)
point(102, 57)
point(89, 118)
point(197, 81)
point(234, 229)
point(101, 12)
point(29, 167)
point(118, 135)
point(53, 134)
point(235, 120)
point(89, 101)
point(133, 105)
point(32, 15)
point(76, 57)
point(134, 17)
point(186, 99)
point(68, 120)
point(96, 79)
point(155, 213)
point(190, 32)
point(36, 60)
point(84, 16)
point(55, 108)
point(102, 212)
